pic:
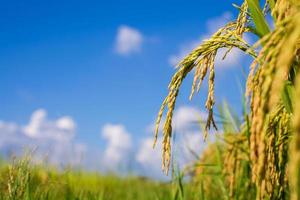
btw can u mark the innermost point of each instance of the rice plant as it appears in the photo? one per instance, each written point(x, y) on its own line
point(270, 133)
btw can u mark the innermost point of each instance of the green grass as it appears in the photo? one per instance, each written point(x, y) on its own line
point(21, 180)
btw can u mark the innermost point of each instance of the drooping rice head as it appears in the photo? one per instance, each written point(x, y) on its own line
point(202, 60)
point(294, 153)
point(270, 72)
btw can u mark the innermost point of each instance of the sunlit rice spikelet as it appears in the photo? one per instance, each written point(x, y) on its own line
point(276, 152)
point(241, 22)
point(294, 163)
point(202, 58)
point(234, 154)
point(265, 84)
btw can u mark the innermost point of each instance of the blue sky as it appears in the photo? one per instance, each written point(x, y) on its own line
point(104, 63)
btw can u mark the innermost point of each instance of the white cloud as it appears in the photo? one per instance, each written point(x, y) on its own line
point(185, 118)
point(40, 127)
point(117, 154)
point(149, 158)
point(66, 123)
point(189, 140)
point(185, 148)
point(212, 25)
point(129, 40)
point(35, 124)
point(51, 139)
point(54, 142)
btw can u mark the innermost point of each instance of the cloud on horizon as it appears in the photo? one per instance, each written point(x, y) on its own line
point(118, 152)
point(53, 141)
point(50, 139)
point(189, 140)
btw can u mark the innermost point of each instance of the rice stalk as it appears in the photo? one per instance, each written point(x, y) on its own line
point(201, 59)
point(269, 72)
point(294, 163)
point(271, 77)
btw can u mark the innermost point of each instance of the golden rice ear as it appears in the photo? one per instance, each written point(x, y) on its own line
point(202, 59)
point(294, 161)
point(234, 155)
point(270, 120)
point(268, 74)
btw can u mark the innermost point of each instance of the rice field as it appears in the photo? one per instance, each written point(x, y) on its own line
point(21, 179)
point(256, 158)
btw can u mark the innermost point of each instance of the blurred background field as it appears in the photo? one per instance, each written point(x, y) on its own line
point(22, 180)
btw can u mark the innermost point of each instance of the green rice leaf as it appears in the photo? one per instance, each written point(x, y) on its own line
point(261, 25)
point(271, 3)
